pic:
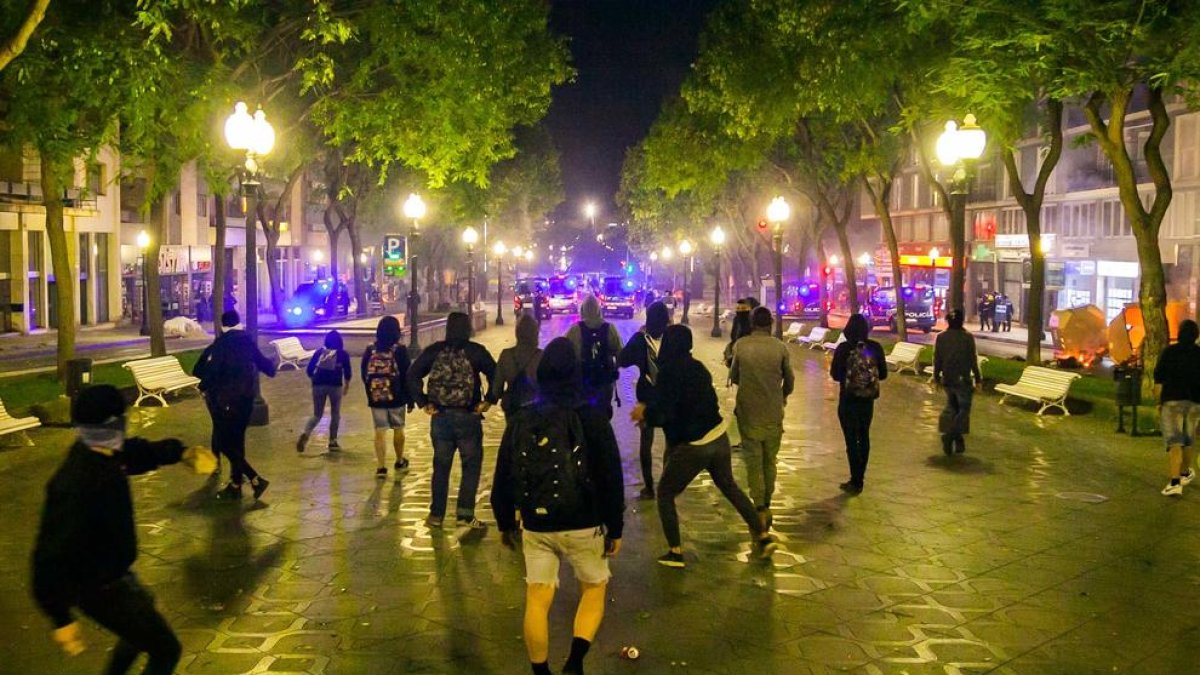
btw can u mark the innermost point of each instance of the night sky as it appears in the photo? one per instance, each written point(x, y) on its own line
point(630, 55)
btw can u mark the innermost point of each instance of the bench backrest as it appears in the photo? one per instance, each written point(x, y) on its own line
point(156, 367)
point(1047, 378)
point(818, 334)
point(906, 351)
point(794, 328)
point(288, 344)
point(4, 412)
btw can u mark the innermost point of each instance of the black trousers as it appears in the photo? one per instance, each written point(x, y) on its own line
point(127, 610)
point(855, 416)
point(229, 421)
point(682, 464)
point(646, 455)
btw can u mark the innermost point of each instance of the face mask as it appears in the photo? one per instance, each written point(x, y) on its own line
point(105, 437)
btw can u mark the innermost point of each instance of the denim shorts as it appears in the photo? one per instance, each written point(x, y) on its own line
point(388, 418)
point(1178, 422)
point(584, 549)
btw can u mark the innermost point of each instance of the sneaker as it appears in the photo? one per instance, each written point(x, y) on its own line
point(767, 547)
point(1186, 478)
point(230, 492)
point(851, 487)
point(473, 523)
point(381, 472)
point(1173, 488)
point(301, 442)
point(672, 559)
point(947, 444)
point(333, 445)
point(960, 445)
point(259, 486)
point(401, 465)
point(434, 522)
point(646, 493)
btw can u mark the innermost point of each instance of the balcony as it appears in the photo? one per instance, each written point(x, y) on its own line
point(19, 192)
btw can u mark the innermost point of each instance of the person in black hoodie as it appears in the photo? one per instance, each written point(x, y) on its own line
point(685, 406)
point(514, 383)
point(642, 352)
point(87, 542)
point(228, 370)
point(329, 370)
point(587, 531)
point(384, 370)
point(856, 400)
point(455, 367)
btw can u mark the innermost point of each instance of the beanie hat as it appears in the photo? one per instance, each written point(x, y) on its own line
point(98, 405)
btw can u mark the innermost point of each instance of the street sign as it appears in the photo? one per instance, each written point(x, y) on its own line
point(395, 255)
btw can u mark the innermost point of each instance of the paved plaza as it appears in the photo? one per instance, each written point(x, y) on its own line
point(1045, 549)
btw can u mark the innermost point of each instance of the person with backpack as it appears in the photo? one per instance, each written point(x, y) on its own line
point(561, 469)
point(454, 400)
point(858, 366)
point(384, 370)
point(739, 328)
point(1177, 387)
point(641, 352)
point(87, 542)
point(228, 370)
point(762, 371)
point(597, 343)
point(329, 370)
point(514, 384)
point(685, 406)
point(956, 369)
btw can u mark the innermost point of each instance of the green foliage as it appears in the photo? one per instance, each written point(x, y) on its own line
point(524, 189)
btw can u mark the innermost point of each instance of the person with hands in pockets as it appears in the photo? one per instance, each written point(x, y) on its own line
point(329, 370)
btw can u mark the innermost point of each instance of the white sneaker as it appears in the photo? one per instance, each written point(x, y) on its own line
point(1173, 489)
point(1186, 478)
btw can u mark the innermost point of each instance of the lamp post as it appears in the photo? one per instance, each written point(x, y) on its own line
point(256, 137)
point(414, 210)
point(717, 237)
point(143, 242)
point(685, 251)
point(499, 249)
point(958, 148)
point(778, 212)
point(470, 237)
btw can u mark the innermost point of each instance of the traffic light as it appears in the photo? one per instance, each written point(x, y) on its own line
point(762, 225)
point(826, 271)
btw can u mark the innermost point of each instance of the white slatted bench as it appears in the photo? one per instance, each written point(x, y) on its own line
point(815, 338)
point(10, 424)
point(1046, 386)
point(904, 356)
point(793, 331)
point(928, 370)
point(159, 376)
point(291, 352)
point(831, 346)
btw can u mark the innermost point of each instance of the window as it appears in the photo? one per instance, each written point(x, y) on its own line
point(1187, 146)
point(97, 179)
point(12, 167)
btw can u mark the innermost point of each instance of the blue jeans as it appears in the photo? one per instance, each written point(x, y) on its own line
point(460, 430)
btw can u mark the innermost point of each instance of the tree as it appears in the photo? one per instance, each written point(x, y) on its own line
point(20, 34)
point(525, 188)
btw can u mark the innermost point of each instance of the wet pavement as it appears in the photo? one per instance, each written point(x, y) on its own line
point(1045, 549)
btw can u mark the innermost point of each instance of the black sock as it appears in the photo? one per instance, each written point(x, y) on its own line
point(579, 649)
point(1174, 481)
point(542, 668)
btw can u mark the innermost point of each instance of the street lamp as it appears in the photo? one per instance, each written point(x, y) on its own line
point(499, 249)
point(778, 212)
point(958, 148)
point(414, 210)
point(255, 137)
point(717, 237)
point(685, 251)
point(470, 237)
point(143, 242)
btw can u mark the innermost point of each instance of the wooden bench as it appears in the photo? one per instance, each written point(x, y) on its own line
point(159, 376)
point(794, 329)
point(815, 338)
point(291, 352)
point(904, 356)
point(1046, 386)
point(980, 359)
point(10, 424)
point(831, 346)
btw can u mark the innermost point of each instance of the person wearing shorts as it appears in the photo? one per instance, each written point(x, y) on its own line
point(1177, 383)
point(585, 535)
point(384, 373)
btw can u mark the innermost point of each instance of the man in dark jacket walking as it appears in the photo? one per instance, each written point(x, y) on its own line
point(955, 369)
point(87, 542)
point(641, 352)
point(586, 531)
point(687, 410)
point(454, 399)
point(228, 371)
point(1177, 384)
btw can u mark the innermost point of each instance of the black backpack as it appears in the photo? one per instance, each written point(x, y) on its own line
point(598, 366)
point(522, 390)
point(550, 464)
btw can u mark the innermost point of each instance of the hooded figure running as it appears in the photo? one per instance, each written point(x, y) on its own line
point(642, 351)
point(686, 408)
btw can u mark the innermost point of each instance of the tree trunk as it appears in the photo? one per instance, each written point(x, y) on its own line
point(824, 292)
point(360, 286)
point(52, 173)
point(220, 273)
point(154, 317)
point(274, 283)
point(13, 47)
point(881, 198)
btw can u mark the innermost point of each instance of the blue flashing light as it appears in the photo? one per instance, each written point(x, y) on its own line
point(804, 291)
point(628, 284)
point(572, 283)
point(296, 311)
point(908, 292)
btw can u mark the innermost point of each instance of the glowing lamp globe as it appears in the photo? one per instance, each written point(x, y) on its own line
point(778, 210)
point(143, 240)
point(470, 236)
point(499, 249)
point(717, 237)
point(414, 207)
point(239, 127)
